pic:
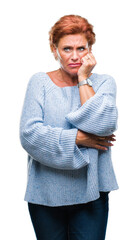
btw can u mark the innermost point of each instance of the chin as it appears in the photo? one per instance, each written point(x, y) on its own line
point(73, 72)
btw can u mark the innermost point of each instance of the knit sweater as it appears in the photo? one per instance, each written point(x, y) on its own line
point(60, 172)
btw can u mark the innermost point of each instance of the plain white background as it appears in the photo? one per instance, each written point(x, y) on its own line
point(24, 50)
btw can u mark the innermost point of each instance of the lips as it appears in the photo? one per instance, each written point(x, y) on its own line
point(75, 64)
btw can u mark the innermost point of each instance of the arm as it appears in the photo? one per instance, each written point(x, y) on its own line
point(53, 147)
point(88, 63)
point(93, 141)
point(98, 115)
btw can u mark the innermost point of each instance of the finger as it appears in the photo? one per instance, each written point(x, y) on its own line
point(112, 139)
point(105, 143)
point(104, 139)
point(112, 135)
point(88, 57)
point(92, 56)
point(108, 138)
point(100, 147)
point(85, 59)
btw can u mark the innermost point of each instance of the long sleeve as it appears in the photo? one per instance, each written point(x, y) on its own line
point(98, 115)
point(52, 146)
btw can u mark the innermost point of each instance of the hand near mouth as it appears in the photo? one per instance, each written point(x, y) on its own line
point(88, 63)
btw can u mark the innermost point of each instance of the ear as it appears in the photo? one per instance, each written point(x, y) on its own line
point(55, 52)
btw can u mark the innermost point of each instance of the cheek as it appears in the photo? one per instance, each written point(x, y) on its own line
point(65, 58)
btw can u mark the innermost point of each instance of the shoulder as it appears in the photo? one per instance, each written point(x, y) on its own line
point(103, 83)
point(39, 82)
point(103, 79)
point(36, 83)
point(37, 78)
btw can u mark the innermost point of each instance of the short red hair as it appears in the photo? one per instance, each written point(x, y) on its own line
point(71, 24)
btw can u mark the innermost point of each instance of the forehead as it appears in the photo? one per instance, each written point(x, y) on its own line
point(73, 40)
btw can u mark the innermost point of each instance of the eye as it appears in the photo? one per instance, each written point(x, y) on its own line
point(67, 49)
point(81, 48)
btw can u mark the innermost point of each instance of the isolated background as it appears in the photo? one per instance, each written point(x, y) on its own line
point(24, 50)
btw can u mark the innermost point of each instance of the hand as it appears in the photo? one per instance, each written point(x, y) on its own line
point(94, 141)
point(88, 63)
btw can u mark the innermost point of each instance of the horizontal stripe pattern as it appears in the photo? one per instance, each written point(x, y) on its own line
point(98, 115)
point(60, 172)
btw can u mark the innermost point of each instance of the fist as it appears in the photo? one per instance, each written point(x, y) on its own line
point(88, 63)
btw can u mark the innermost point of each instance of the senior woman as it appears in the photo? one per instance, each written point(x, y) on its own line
point(67, 124)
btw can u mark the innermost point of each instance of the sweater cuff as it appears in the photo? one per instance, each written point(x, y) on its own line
point(80, 155)
point(68, 138)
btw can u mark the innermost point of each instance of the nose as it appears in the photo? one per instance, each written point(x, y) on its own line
point(74, 56)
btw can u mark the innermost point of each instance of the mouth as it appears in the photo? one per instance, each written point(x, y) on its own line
point(74, 64)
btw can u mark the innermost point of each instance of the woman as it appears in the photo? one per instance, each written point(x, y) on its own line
point(67, 124)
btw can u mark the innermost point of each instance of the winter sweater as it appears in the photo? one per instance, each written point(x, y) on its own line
point(60, 172)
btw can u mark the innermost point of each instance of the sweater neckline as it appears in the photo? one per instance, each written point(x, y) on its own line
point(91, 77)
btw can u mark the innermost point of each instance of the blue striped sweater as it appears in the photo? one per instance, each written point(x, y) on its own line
point(59, 171)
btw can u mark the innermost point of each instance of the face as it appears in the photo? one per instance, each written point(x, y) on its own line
point(70, 50)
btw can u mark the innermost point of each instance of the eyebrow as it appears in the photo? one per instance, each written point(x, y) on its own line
point(67, 46)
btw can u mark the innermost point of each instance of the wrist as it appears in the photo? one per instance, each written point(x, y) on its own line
point(81, 78)
point(78, 137)
point(77, 141)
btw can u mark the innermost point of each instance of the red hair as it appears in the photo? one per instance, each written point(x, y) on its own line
point(71, 24)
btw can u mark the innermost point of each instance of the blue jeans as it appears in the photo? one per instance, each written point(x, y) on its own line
point(86, 221)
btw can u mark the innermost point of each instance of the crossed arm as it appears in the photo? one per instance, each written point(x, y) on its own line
point(87, 139)
point(93, 125)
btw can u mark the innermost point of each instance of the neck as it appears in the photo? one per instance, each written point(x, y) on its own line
point(66, 77)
